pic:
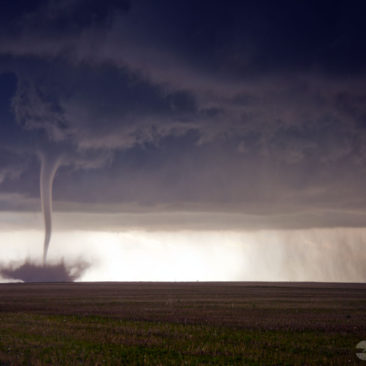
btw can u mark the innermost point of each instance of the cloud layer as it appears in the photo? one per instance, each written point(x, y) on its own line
point(228, 109)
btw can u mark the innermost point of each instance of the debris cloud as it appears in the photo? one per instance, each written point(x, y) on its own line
point(34, 272)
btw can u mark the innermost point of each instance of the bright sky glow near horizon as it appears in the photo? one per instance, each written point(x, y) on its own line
point(183, 140)
point(226, 255)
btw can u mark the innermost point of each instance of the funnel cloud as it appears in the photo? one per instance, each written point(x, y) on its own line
point(49, 167)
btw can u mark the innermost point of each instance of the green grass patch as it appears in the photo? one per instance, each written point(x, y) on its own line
point(32, 339)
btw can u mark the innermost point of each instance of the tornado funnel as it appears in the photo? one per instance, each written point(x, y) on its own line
point(49, 167)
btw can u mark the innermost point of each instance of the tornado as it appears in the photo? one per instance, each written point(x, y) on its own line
point(49, 167)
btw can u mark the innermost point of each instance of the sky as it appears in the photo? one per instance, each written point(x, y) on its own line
point(183, 140)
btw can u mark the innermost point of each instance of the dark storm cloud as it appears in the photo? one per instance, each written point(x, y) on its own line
point(58, 17)
point(249, 107)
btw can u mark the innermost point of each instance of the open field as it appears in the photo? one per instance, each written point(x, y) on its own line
point(181, 323)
